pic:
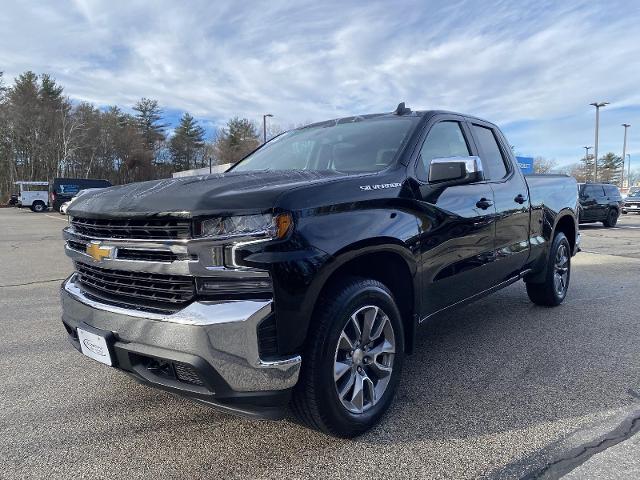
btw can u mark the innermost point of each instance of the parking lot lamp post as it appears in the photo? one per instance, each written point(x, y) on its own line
point(624, 152)
point(264, 126)
point(586, 162)
point(629, 169)
point(595, 149)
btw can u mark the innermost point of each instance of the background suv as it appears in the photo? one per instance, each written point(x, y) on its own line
point(599, 203)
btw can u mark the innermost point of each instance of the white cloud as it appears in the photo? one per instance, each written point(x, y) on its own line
point(531, 66)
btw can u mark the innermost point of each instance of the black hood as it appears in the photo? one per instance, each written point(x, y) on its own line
point(225, 193)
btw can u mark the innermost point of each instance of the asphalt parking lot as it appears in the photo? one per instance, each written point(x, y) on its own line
point(499, 389)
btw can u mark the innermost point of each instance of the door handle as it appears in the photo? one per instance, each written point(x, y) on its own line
point(520, 199)
point(484, 203)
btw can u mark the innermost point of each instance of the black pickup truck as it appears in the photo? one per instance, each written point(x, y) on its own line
point(300, 276)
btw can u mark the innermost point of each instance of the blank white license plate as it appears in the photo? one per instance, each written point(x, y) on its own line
point(633, 206)
point(94, 346)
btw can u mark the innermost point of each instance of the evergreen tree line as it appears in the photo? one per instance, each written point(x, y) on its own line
point(44, 135)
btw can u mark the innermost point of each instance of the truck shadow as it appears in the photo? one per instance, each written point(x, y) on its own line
point(503, 364)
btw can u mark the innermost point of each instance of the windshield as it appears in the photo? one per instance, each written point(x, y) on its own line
point(348, 146)
point(634, 194)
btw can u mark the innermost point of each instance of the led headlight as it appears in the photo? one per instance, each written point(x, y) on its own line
point(259, 226)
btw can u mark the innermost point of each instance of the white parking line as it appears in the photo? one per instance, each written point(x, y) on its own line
point(64, 219)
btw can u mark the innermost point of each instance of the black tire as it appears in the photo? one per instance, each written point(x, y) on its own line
point(624, 212)
point(612, 218)
point(315, 398)
point(546, 293)
point(38, 207)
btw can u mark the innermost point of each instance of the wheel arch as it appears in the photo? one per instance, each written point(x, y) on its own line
point(567, 225)
point(388, 264)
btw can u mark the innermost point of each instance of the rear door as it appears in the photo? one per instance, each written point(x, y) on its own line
point(456, 223)
point(511, 196)
point(593, 202)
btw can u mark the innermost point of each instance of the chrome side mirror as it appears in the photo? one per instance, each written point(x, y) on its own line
point(456, 169)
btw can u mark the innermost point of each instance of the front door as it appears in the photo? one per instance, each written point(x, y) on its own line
point(457, 223)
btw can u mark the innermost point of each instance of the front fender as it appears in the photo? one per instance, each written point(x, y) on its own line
point(337, 239)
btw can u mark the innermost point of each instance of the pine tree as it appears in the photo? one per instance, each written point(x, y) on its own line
point(148, 120)
point(236, 140)
point(609, 168)
point(187, 144)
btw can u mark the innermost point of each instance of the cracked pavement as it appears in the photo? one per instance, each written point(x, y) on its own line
point(498, 389)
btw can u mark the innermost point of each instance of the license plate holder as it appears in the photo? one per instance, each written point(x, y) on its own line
point(96, 344)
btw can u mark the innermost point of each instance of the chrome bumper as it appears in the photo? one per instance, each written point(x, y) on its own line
point(222, 333)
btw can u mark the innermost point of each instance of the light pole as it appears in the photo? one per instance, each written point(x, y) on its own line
point(264, 126)
point(624, 152)
point(595, 152)
point(629, 169)
point(586, 161)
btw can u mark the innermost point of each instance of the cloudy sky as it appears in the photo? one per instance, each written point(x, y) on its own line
point(531, 66)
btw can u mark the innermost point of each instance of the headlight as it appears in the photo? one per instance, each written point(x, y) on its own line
point(259, 226)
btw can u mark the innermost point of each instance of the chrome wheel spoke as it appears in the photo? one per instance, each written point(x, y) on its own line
point(383, 347)
point(345, 343)
point(340, 369)
point(356, 327)
point(357, 397)
point(347, 386)
point(370, 390)
point(369, 317)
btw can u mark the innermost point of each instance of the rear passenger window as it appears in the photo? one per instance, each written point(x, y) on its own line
point(611, 191)
point(445, 139)
point(490, 154)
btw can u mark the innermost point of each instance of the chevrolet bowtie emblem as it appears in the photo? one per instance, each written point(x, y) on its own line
point(98, 252)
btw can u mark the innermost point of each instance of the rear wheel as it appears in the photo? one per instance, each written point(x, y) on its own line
point(612, 218)
point(351, 368)
point(553, 290)
point(38, 206)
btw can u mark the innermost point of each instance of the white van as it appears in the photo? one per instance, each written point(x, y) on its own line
point(34, 195)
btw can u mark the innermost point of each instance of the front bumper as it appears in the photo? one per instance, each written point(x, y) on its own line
point(216, 340)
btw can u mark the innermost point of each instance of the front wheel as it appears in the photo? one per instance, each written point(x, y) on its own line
point(553, 290)
point(612, 219)
point(352, 364)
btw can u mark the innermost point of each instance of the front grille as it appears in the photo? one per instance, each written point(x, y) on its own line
point(140, 290)
point(78, 246)
point(147, 255)
point(132, 228)
point(166, 256)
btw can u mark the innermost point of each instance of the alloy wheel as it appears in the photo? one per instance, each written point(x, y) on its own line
point(561, 271)
point(363, 360)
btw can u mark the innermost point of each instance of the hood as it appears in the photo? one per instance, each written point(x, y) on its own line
point(186, 197)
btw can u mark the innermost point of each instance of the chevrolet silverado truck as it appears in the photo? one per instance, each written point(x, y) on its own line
point(299, 278)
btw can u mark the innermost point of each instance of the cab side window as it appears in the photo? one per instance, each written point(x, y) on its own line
point(445, 139)
point(493, 161)
point(593, 191)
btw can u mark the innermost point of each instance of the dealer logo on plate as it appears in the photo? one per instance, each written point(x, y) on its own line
point(97, 349)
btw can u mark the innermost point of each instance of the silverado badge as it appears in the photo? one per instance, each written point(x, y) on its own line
point(98, 252)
